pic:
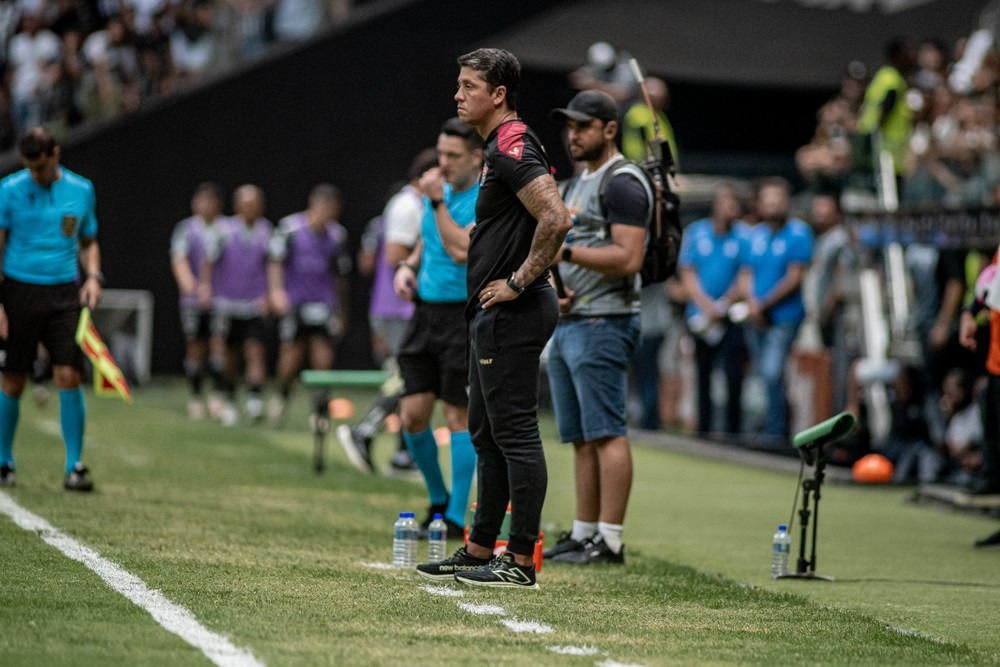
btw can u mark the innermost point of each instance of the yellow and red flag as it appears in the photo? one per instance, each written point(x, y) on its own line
point(108, 378)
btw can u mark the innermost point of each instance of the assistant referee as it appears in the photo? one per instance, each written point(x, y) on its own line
point(48, 229)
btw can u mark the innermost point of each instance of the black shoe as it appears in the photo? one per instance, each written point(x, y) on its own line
point(984, 487)
point(501, 572)
point(402, 462)
point(563, 544)
point(445, 570)
point(456, 531)
point(431, 511)
point(6, 476)
point(989, 542)
point(357, 448)
point(595, 550)
point(78, 479)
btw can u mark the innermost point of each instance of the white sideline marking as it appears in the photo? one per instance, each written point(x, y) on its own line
point(612, 663)
point(482, 609)
point(527, 626)
point(443, 591)
point(380, 566)
point(574, 650)
point(171, 616)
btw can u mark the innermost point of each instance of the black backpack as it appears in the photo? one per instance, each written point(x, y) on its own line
point(663, 229)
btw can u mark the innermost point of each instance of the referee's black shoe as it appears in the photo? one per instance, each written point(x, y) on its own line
point(78, 479)
point(6, 476)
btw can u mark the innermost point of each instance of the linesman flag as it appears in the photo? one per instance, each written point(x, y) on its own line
point(108, 378)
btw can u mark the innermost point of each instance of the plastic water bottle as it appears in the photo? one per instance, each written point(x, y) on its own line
point(404, 540)
point(437, 536)
point(780, 548)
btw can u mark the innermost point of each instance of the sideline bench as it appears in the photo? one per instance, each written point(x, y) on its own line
point(329, 380)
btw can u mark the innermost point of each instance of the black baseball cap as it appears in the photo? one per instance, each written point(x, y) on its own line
point(586, 106)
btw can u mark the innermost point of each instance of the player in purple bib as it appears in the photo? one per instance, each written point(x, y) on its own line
point(308, 257)
point(188, 245)
point(237, 271)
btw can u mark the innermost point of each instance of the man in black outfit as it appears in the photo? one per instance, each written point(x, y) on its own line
point(521, 222)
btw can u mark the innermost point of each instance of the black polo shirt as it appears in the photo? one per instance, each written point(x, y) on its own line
point(501, 239)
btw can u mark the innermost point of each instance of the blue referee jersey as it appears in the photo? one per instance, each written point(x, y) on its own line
point(44, 226)
point(440, 279)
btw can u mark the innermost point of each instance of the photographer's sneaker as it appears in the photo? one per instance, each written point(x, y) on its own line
point(564, 544)
point(595, 550)
point(501, 572)
point(78, 479)
point(7, 477)
point(356, 448)
point(445, 570)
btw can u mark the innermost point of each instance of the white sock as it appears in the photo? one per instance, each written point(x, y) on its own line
point(612, 534)
point(583, 530)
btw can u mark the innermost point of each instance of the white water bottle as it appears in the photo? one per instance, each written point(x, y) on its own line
point(404, 540)
point(781, 546)
point(437, 535)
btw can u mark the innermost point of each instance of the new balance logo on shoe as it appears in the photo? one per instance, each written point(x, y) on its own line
point(445, 570)
point(501, 572)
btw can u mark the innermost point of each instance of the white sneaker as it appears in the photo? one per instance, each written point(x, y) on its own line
point(276, 409)
point(41, 394)
point(227, 414)
point(255, 408)
point(196, 409)
point(215, 406)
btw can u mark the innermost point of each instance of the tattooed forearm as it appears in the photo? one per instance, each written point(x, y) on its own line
point(543, 202)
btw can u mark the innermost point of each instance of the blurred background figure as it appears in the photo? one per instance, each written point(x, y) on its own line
point(607, 70)
point(712, 252)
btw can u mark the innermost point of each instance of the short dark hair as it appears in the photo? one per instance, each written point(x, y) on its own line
point(498, 68)
point(775, 182)
point(455, 127)
point(325, 191)
point(209, 188)
point(35, 142)
point(424, 160)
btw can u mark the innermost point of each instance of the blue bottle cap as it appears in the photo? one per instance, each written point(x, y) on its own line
point(782, 528)
point(438, 516)
point(402, 515)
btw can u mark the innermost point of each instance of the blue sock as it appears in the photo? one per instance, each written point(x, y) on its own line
point(10, 412)
point(424, 451)
point(72, 417)
point(463, 469)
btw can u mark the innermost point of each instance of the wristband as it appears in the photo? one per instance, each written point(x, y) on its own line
point(567, 254)
point(407, 265)
point(514, 286)
point(98, 276)
point(435, 203)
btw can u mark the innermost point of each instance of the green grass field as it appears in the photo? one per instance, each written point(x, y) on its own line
point(234, 525)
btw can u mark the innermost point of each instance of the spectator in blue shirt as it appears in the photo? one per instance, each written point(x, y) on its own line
point(780, 251)
point(711, 255)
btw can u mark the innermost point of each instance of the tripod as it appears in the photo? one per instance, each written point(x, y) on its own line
point(806, 569)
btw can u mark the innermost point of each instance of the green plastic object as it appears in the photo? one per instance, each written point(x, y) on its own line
point(826, 432)
point(342, 378)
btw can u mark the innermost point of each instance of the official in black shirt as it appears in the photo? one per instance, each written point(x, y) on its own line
point(521, 222)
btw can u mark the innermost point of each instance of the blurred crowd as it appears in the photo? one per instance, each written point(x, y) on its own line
point(67, 62)
point(931, 107)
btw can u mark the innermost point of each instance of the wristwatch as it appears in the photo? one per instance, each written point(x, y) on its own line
point(435, 203)
point(567, 254)
point(407, 265)
point(513, 285)
point(98, 276)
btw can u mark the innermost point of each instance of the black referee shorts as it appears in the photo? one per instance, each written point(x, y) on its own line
point(434, 356)
point(46, 314)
